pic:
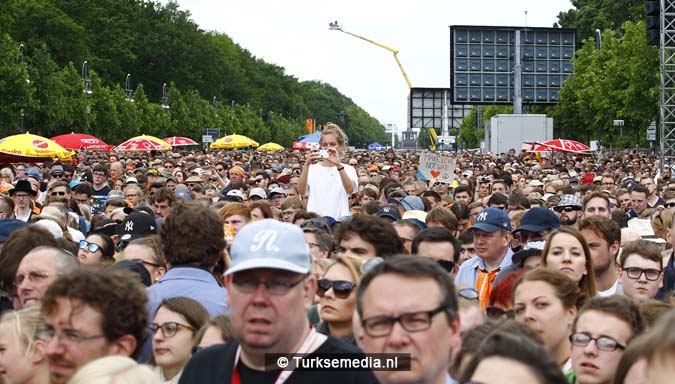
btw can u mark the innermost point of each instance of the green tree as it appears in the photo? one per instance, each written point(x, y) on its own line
point(589, 15)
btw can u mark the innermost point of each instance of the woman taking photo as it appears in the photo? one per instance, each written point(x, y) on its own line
point(546, 301)
point(175, 325)
point(326, 180)
point(567, 251)
point(22, 356)
point(336, 290)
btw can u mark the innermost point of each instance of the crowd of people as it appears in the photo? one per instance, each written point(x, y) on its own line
point(192, 267)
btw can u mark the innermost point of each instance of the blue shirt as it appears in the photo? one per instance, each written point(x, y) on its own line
point(188, 281)
point(467, 274)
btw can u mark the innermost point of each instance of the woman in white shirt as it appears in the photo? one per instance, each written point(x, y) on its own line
point(325, 179)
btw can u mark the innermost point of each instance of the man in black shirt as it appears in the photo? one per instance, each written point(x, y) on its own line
point(269, 282)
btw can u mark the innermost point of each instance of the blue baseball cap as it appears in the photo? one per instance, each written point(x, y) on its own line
point(270, 244)
point(538, 219)
point(7, 226)
point(411, 203)
point(492, 219)
point(389, 212)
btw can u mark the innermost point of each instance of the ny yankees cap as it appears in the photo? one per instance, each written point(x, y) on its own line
point(136, 225)
point(270, 244)
point(492, 219)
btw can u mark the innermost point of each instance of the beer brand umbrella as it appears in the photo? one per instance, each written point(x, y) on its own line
point(143, 143)
point(81, 141)
point(233, 142)
point(179, 141)
point(31, 148)
point(270, 147)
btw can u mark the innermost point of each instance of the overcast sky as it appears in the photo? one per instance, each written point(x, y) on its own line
point(294, 34)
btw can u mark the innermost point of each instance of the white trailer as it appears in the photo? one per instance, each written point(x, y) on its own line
point(504, 132)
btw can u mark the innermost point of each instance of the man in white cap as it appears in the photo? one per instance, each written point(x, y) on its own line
point(269, 283)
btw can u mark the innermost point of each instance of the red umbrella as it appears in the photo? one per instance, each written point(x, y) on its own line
point(178, 141)
point(143, 143)
point(82, 141)
point(557, 145)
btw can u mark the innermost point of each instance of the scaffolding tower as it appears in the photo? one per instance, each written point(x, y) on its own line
point(667, 102)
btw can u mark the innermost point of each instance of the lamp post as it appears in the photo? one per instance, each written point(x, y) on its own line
point(214, 103)
point(165, 98)
point(87, 84)
point(127, 88)
point(20, 60)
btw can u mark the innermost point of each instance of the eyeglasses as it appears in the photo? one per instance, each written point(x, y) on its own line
point(46, 333)
point(98, 174)
point(446, 264)
point(341, 288)
point(58, 193)
point(468, 293)
point(146, 263)
point(220, 169)
point(288, 213)
point(635, 273)
point(169, 328)
point(380, 326)
point(21, 195)
point(258, 180)
point(68, 175)
point(604, 343)
point(91, 247)
point(496, 313)
point(669, 205)
point(57, 176)
point(273, 287)
point(190, 185)
point(566, 209)
point(32, 276)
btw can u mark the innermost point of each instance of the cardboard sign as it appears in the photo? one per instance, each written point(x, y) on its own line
point(434, 166)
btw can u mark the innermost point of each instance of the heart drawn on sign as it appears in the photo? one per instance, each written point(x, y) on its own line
point(435, 174)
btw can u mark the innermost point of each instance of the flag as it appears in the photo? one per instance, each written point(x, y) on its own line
point(432, 139)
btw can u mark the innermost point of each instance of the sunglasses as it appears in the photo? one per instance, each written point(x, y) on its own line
point(566, 209)
point(91, 247)
point(446, 264)
point(58, 193)
point(341, 288)
point(58, 176)
point(496, 313)
point(669, 205)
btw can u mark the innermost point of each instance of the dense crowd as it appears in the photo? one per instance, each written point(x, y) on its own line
point(193, 266)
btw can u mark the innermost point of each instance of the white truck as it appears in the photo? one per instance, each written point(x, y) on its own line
point(504, 132)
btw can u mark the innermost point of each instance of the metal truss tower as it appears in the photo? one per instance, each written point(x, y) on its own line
point(667, 102)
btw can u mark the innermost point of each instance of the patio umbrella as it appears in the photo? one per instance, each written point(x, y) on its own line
point(143, 143)
point(308, 142)
point(557, 145)
point(81, 141)
point(270, 147)
point(179, 141)
point(375, 147)
point(233, 141)
point(31, 148)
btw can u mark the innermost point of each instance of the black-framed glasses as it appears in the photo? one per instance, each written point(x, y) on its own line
point(170, 328)
point(58, 193)
point(46, 333)
point(91, 247)
point(341, 288)
point(635, 273)
point(603, 343)
point(146, 263)
point(468, 293)
point(57, 176)
point(496, 313)
point(669, 205)
point(567, 209)
point(32, 276)
point(380, 326)
point(273, 287)
point(446, 264)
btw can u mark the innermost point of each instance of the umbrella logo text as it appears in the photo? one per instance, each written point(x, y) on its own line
point(40, 144)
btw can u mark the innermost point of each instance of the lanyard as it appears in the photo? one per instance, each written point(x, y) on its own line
point(283, 375)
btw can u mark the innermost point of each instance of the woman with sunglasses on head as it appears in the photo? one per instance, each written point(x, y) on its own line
point(175, 325)
point(96, 250)
point(326, 179)
point(336, 290)
point(567, 251)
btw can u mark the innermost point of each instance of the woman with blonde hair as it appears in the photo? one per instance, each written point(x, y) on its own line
point(567, 251)
point(114, 369)
point(337, 293)
point(22, 356)
point(326, 179)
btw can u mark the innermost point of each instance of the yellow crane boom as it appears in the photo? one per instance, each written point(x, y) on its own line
point(336, 27)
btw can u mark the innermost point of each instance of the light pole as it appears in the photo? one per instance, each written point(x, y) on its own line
point(20, 60)
point(127, 88)
point(87, 84)
point(165, 98)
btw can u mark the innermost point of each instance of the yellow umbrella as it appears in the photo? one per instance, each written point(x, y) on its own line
point(143, 143)
point(270, 147)
point(29, 147)
point(233, 141)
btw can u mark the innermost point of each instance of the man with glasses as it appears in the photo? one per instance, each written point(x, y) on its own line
point(608, 184)
point(56, 172)
point(90, 314)
point(600, 333)
point(269, 284)
point(569, 209)
point(641, 270)
point(37, 270)
point(440, 246)
point(23, 193)
point(100, 187)
point(19, 171)
point(409, 305)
